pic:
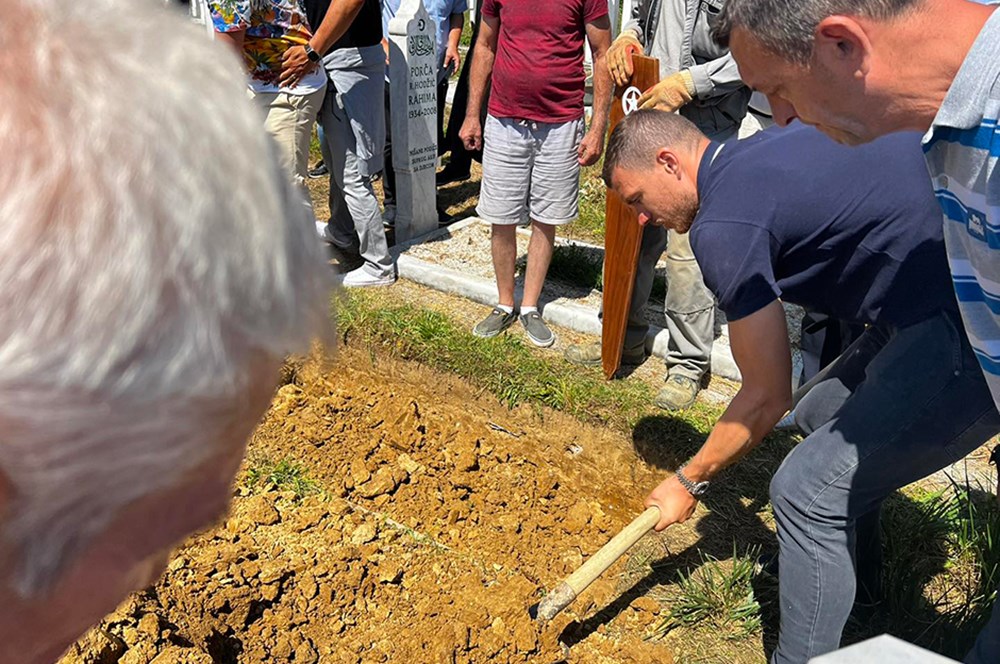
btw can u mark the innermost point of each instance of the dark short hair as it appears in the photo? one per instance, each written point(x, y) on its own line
point(788, 27)
point(638, 136)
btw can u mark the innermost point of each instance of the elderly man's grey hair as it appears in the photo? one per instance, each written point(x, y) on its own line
point(787, 27)
point(150, 253)
point(635, 140)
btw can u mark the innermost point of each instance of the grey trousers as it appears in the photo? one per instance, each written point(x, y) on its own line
point(353, 120)
point(689, 305)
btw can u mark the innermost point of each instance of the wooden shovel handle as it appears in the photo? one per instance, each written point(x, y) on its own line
point(577, 582)
point(612, 551)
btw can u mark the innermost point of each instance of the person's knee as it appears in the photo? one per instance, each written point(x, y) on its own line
point(781, 490)
point(547, 230)
point(503, 231)
point(688, 298)
point(808, 414)
point(786, 489)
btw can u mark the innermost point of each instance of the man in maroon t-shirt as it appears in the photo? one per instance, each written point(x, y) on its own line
point(534, 140)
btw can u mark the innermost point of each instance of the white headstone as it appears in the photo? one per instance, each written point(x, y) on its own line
point(413, 102)
point(883, 649)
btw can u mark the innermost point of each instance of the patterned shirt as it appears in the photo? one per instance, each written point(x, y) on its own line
point(272, 27)
point(962, 149)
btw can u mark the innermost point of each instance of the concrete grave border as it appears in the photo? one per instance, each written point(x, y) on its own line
point(575, 317)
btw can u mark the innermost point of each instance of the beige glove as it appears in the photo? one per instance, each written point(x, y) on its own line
point(619, 57)
point(669, 94)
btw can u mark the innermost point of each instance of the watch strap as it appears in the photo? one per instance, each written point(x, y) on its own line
point(696, 489)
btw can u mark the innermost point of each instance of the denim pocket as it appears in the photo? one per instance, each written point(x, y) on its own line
point(964, 357)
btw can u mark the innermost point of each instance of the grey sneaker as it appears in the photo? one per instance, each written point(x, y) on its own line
point(536, 329)
point(679, 393)
point(498, 321)
point(589, 355)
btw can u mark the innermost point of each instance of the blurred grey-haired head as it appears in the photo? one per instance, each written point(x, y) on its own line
point(150, 253)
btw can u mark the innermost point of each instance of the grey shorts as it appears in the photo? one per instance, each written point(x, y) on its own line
point(530, 171)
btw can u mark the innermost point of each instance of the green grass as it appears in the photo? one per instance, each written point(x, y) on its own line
point(718, 595)
point(264, 474)
point(579, 266)
point(504, 365)
point(466, 38)
point(941, 555)
point(589, 226)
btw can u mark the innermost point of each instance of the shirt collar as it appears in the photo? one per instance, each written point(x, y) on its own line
point(707, 159)
point(962, 107)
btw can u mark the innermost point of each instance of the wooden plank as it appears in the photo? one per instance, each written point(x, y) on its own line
point(622, 234)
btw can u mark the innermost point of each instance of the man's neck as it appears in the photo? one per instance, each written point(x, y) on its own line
point(696, 157)
point(922, 56)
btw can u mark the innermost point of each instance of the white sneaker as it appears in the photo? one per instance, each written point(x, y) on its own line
point(322, 229)
point(361, 278)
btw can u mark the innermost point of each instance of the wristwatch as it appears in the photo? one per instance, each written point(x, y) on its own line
point(311, 54)
point(696, 489)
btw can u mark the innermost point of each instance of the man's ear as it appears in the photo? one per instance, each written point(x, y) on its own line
point(842, 46)
point(668, 160)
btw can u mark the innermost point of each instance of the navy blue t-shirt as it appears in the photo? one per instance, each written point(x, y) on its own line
point(852, 232)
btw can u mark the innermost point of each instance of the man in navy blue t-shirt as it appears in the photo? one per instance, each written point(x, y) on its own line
point(849, 232)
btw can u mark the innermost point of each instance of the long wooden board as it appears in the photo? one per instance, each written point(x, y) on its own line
point(622, 233)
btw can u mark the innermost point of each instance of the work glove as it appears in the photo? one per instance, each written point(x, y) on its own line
point(620, 57)
point(669, 94)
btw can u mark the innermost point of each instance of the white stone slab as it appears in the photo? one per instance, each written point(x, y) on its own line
point(413, 101)
point(883, 649)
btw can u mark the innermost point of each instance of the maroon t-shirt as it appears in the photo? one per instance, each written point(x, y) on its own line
point(538, 70)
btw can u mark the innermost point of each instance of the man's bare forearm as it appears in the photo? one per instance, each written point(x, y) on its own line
point(760, 347)
point(602, 92)
point(338, 19)
point(457, 22)
point(746, 421)
point(482, 67)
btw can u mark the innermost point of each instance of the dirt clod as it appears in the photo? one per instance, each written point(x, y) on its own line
point(430, 537)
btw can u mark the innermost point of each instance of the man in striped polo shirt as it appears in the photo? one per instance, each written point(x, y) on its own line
point(858, 69)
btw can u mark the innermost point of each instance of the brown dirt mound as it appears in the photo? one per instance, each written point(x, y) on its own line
point(442, 517)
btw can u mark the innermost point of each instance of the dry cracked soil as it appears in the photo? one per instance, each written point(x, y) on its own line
point(433, 518)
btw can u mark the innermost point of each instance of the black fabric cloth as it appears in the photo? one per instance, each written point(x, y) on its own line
point(851, 232)
point(366, 30)
point(461, 159)
point(822, 340)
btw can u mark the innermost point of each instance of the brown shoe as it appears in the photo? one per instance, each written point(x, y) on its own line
point(678, 393)
point(589, 355)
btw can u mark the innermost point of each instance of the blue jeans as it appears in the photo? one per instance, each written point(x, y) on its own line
point(898, 405)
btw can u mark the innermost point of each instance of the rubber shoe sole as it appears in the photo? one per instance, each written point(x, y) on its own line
point(360, 278)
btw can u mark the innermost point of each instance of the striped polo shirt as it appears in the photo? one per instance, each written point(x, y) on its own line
point(962, 149)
